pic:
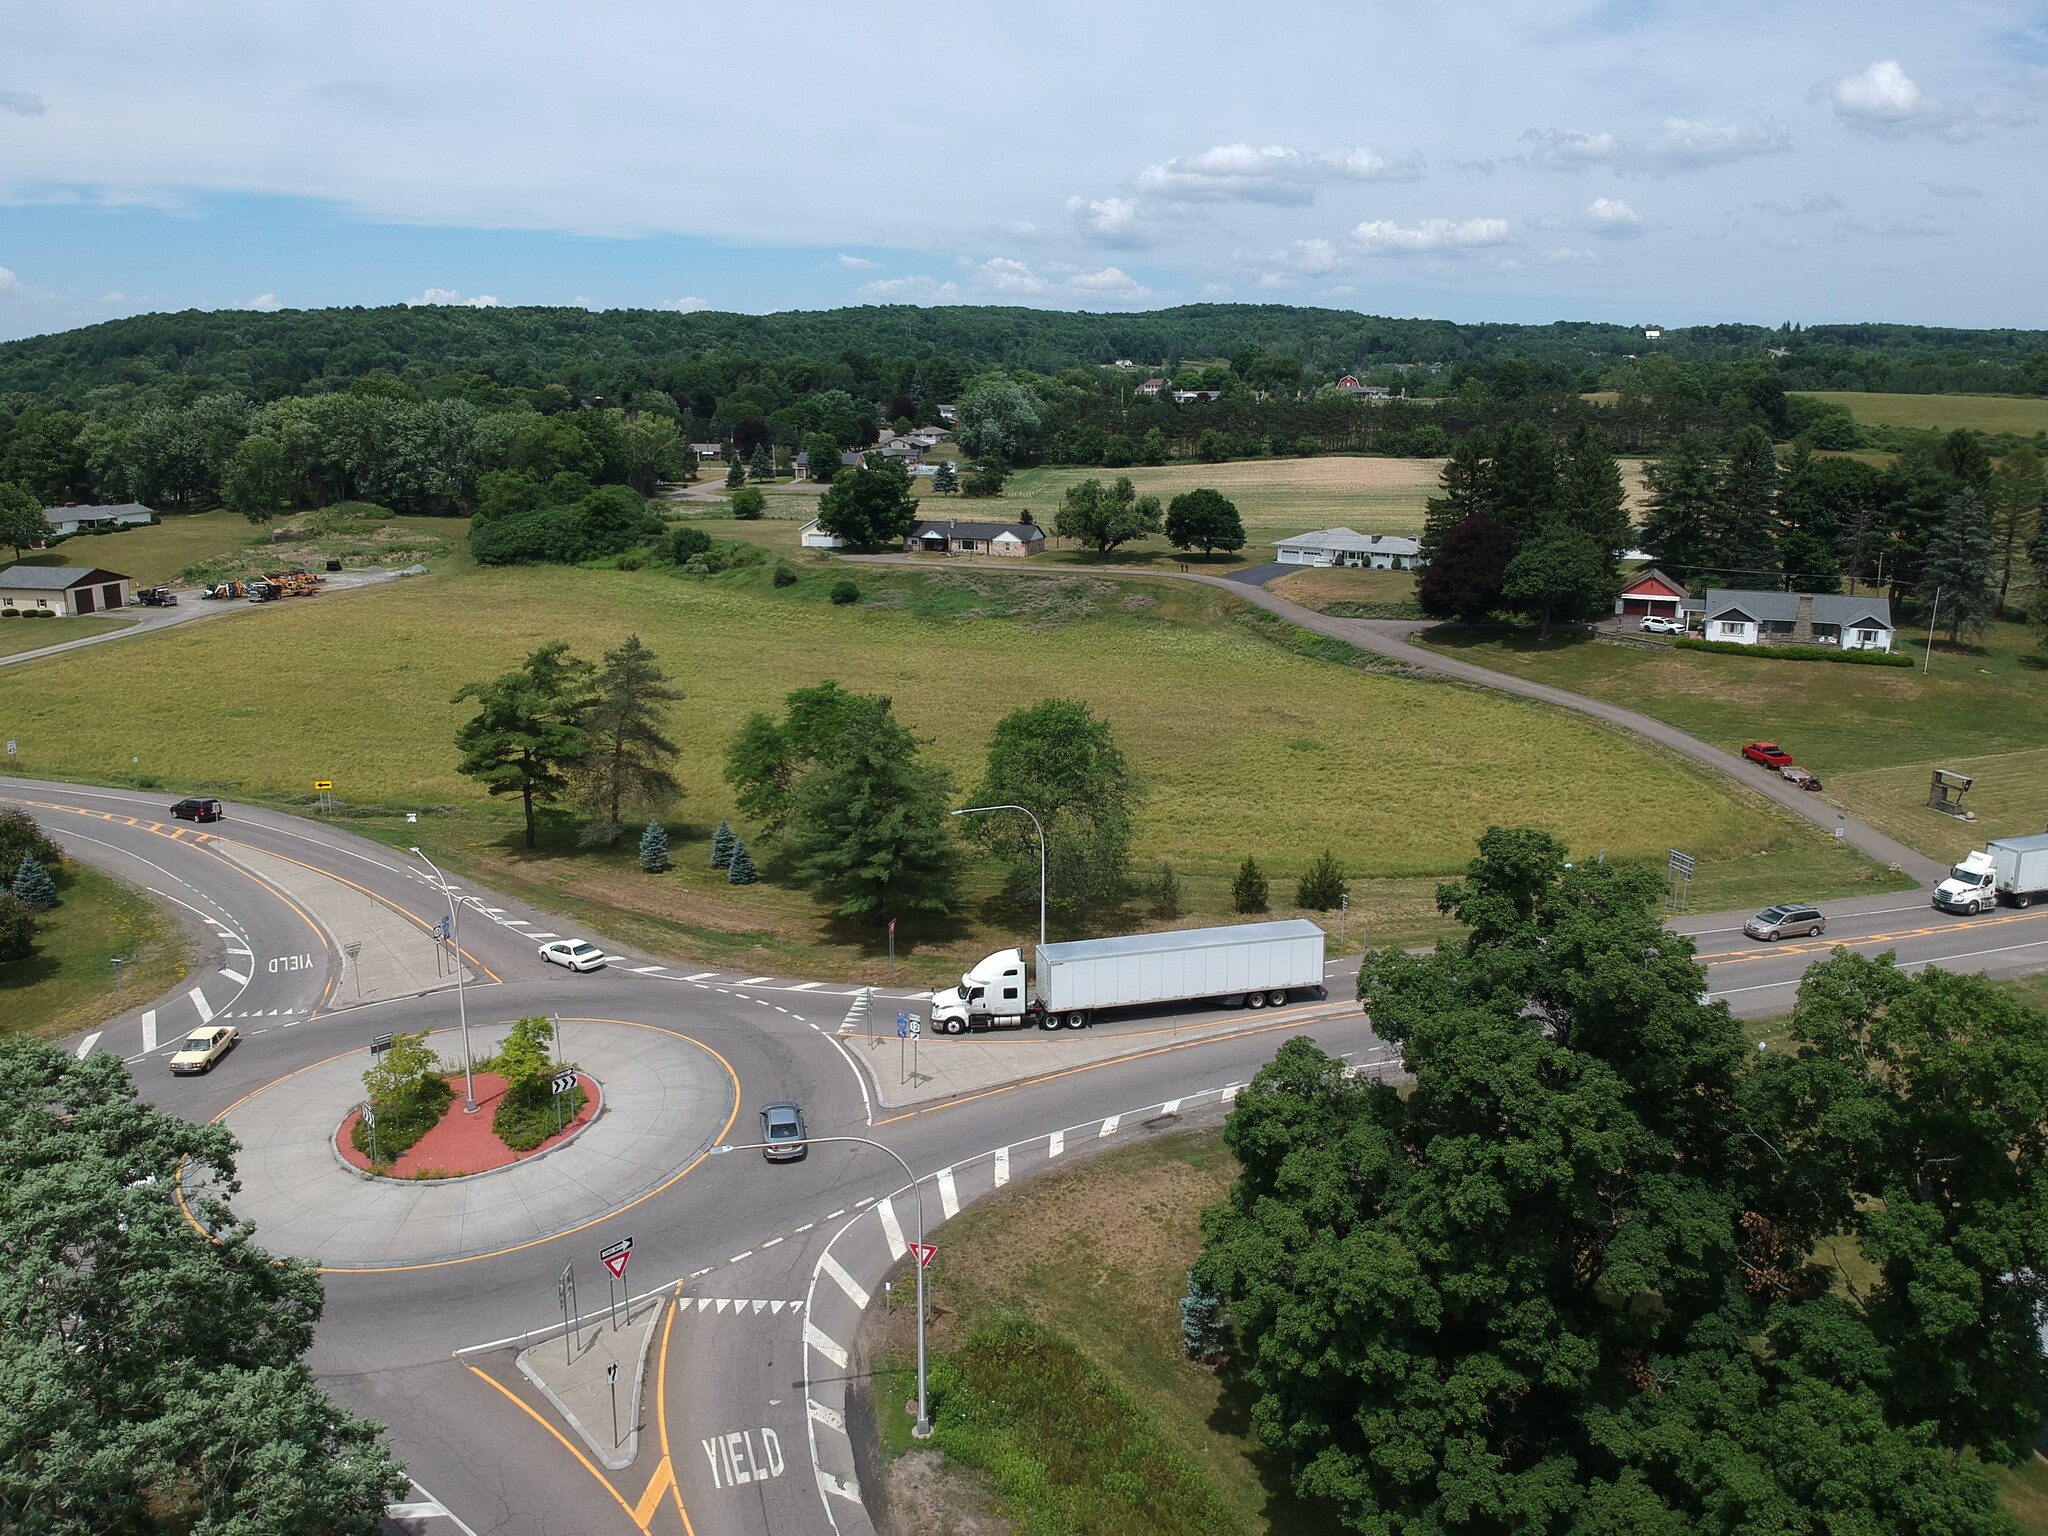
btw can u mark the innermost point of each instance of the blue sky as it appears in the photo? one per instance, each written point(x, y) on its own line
point(1616, 161)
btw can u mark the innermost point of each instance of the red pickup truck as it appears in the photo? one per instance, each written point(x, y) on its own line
point(1768, 753)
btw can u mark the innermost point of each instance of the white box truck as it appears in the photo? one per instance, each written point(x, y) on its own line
point(2010, 869)
point(1257, 964)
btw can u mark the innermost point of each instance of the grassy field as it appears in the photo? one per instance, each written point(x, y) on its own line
point(34, 634)
point(67, 983)
point(1986, 413)
point(1333, 588)
point(1873, 734)
point(1246, 747)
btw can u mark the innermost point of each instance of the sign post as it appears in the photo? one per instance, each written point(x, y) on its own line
point(380, 1045)
point(615, 1258)
point(325, 789)
point(1681, 866)
point(565, 1082)
point(892, 951)
point(370, 1119)
point(565, 1293)
point(611, 1374)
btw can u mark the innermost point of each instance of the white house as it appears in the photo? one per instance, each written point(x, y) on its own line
point(811, 536)
point(1798, 618)
point(127, 514)
point(1346, 546)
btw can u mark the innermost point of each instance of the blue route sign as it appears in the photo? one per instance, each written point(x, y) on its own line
point(902, 1026)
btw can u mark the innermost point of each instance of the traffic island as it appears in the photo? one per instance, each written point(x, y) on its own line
point(462, 1144)
point(593, 1375)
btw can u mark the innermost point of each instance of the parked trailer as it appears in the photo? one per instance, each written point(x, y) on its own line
point(2009, 869)
point(1253, 964)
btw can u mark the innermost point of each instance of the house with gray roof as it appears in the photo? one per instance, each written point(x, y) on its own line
point(1346, 546)
point(1797, 618)
point(955, 537)
point(68, 590)
point(64, 521)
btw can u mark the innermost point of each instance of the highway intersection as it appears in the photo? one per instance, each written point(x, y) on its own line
point(760, 1272)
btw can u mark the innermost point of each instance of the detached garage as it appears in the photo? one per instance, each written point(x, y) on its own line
point(66, 589)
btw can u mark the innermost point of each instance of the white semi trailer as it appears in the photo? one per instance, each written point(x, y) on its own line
point(1256, 964)
point(2009, 869)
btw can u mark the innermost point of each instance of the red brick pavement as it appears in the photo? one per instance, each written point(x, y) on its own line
point(464, 1143)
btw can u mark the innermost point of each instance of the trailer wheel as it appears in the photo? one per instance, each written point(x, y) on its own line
point(1077, 1020)
point(1255, 999)
point(2023, 899)
point(1277, 999)
point(1048, 1020)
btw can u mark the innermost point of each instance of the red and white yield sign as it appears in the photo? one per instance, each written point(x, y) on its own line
point(925, 1253)
point(615, 1257)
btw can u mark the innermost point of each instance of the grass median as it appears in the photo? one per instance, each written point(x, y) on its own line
point(69, 982)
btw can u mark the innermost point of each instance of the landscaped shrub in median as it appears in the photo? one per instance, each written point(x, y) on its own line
point(1062, 1442)
point(1796, 652)
point(410, 1095)
point(526, 1116)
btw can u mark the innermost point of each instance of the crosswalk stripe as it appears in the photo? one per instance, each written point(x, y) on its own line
point(805, 986)
point(149, 1030)
point(701, 976)
point(424, 1509)
point(1056, 1143)
point(818, 1340)
point(1108, 1127)
point(753, 981)
point(949, 1197)
point(1170, 1107)
point(648, 970)
point(244, 953)
point(892, 1229)
point(1002, 1167)
point(235, 976)
point(205, 1008)
point(831, 1418)
point(543, 935)
point(85, 1046)
point(855, 1292)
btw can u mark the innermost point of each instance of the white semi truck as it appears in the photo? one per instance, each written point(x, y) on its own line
point(2009, 869)
point(1259, 965)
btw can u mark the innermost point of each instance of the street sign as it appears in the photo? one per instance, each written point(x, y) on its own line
point(916, 1027)
point(611, 1372)
point(902, 1026)
point(10, 747)
point(616, 1257)
point(892, 921)
point(380, 1045)
point(323, 783)
point(369, 1114)
point(925, 1252)
point(1681, 863)
point(565, 1082)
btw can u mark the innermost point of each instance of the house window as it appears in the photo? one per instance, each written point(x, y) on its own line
point(1866, 637)
point(1730, 627)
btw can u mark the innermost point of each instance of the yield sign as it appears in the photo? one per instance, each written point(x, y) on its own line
point(925, 1253)
point(616, 1256)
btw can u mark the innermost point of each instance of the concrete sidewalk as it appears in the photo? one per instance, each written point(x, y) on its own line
point(573, 1371)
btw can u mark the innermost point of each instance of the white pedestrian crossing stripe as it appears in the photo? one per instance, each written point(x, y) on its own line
point(149, 1030)
point(824, 1344)
point(85, 1046)
point(1109, 1126)
point(892, 1229)
point(1056, 1143)
point(949, 1196)
point(235, 976)
point(855, 1292)
point(205, 1008)
point(1002, 1166)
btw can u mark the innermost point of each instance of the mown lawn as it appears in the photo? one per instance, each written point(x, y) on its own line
point(153, 555)
point(1873, 734)
point(34, 634)
point(68, 983)
point(1985, 413)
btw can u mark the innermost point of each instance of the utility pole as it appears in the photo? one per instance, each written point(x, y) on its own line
point(461, 1003)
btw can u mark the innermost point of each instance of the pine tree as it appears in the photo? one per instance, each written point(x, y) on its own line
point(722, 844)
point(1522, 481)
point(1166, 898)
point(1248, 890)
point(1323, 886)
point(32, 883)
point(761, 466)
point(735, 475)
point(946, 478)
point(741, 870)
point(1203, 1322)
point(654, 848)
point(1744, 535)
point(1590, 498)
point(1464, 482)
point(1684, 504)
point(1960, 567)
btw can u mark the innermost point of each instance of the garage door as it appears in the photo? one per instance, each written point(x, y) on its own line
point(110, 597)
point(85, 602)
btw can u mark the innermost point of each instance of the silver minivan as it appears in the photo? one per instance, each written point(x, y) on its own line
point(1788, 921)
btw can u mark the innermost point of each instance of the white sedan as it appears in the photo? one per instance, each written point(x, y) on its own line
point(577, 954)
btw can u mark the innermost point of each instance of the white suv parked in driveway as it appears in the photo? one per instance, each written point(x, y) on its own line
point(1657, 624)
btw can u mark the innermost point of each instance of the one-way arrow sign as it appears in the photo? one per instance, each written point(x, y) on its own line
point(615, 1257)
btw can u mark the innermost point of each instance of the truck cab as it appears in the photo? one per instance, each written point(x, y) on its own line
point(996, 994)
point(1971, 887)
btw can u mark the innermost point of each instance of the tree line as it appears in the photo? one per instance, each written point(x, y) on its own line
point(1604, 1266)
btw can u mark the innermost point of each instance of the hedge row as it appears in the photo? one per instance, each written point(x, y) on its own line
point(1796, 652)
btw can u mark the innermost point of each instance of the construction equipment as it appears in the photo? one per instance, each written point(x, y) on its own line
point(225, 589)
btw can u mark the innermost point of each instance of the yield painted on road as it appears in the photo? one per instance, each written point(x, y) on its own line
point(735, 1460)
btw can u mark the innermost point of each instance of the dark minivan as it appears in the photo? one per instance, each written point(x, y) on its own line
point(197, 810)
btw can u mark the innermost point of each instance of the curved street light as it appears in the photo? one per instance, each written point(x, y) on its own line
point(922, 1429)
point(975, 810)
point(461, 1004)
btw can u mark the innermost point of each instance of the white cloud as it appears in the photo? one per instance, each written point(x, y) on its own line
point(1006, 274)
point(919, 289)
point(9, 283)
point(856, 262)
point(1568, 256)
point(263, 301)
point(1273, 174)
point(1384, 237)
point(1612, 219)
point(113, 298)
point(1108, 220)
point(1676, 145)
point(1884, 101)
point(1278, 280)
point(688, 305)
point(1215, 290)
point(449, 296)
point(23, 103)
point(1110, 280)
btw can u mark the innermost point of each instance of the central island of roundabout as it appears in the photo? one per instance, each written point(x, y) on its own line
point(652, 1101)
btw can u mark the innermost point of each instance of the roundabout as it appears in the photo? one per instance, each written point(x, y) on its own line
point(666, 1098)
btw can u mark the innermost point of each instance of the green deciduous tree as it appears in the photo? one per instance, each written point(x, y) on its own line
point(150, 1370)
point(20, 837)
point(1152, 447)
point(1062, 761)
point(1322, 887)
point(747, 503)
point(1961, 565)
point(22, 523)
point(17, 927)
point(1248, 890)
point(768, 756)
point(1167, 900)
point(527, 737)
point(630, 762)
point(257, 482)
point(1204, 519)
point(654, 848)
point(1105, 517)
point(1559, 574)
point(405, 1072)
point(870, 507)
point(998, 419)
point(821, 456)
point(869, 827)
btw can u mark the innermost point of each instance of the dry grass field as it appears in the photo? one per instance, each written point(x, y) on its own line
point(1984, 413)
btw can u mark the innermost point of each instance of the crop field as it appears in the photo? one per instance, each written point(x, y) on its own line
point(1986, 413)
point(1247, 748)
point(1873, 734)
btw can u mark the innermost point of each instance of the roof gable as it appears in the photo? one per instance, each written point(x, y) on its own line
point(1648, 580)
point(55, 578)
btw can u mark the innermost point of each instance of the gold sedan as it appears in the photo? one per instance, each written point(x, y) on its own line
point(204, 1047)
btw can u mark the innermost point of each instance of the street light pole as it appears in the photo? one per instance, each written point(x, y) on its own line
point(922, 1429)
point(975, 810)
point(461, 1003)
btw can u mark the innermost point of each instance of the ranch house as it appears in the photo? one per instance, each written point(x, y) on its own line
point(953, 537)
point(1346, 546)
point(69, 520)
point(1799, 618)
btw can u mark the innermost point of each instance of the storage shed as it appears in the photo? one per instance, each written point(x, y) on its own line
point(66, 589)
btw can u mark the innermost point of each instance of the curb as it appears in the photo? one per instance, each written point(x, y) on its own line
point(612, 1458)
point(334, 1146)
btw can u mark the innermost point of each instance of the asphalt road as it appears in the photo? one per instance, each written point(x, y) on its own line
point(724, 1382)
